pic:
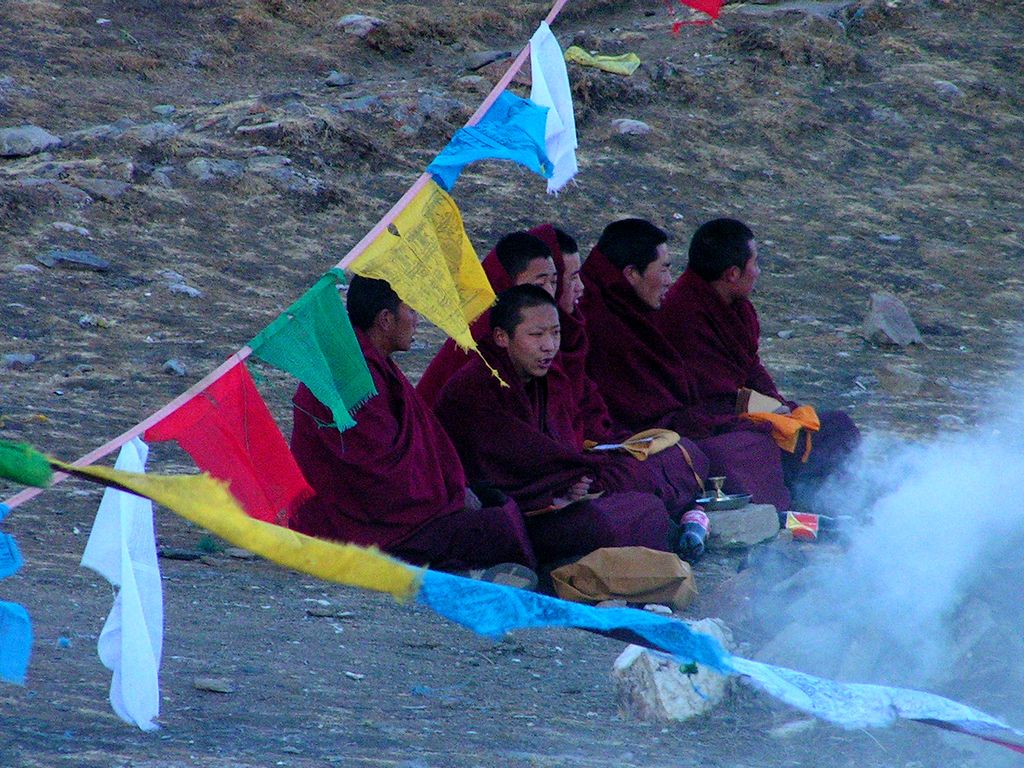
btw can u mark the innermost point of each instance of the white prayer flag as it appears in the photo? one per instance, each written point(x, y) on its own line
point(122, 549)
point(551, 89)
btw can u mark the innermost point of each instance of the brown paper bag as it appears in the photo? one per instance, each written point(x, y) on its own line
point(633, 574)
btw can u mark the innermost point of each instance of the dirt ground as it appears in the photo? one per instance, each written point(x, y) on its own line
point(872, 145)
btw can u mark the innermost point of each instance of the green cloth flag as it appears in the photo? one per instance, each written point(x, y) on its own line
point(23, 464)
point(313, 340)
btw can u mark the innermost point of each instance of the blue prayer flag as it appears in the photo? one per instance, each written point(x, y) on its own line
point(512, 129)
point(15, 642)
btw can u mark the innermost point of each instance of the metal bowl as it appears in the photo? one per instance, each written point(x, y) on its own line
point(727, 501)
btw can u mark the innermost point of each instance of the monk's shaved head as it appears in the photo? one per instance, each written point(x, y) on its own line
point(367, 298)
point(507, 313)
point(517, 249)
point(717, 245)
point(631, 243)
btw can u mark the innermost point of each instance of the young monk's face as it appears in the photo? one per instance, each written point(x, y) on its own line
point(402, 329)
point(751, 271)
point(539, 272)
point(653, 283)
point(572, 285)
point(534, 342)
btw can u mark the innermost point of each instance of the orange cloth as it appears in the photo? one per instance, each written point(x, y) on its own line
point(786, 426)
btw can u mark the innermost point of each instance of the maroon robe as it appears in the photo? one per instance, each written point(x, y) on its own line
point(720, 343)
point(645, 383)
point(395, 480)
point(521, 438)
point(592, 419)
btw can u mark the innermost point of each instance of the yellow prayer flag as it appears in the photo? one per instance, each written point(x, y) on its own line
point(207, 502)
point(427, 258)
point(624, 64)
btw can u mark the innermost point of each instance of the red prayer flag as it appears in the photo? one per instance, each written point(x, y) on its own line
point(228, 431)
point(711, 7)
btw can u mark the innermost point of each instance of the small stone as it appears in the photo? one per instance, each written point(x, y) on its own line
point(361, 104)
point(436, 107)
point(27, 268)
point(473, 83)
point(93, 321)
point(786, 334)
point(161, 178)
point(891, 239)
point(792, 728)
point(164, 110)
point(481, 59)
point(662, 610)
point(359, 24)
point(269, 131)
point(74, 259)
point(171, 276)
point(64, 193)
point(354, 676)
point(239, 554)
point(891, 116)
point(63, 226)
point(213, 684)
point(948, 90)
point(174, 553)
point(328, 611)
point(889, 323)
point(338, 79)
point(26, 140)
point(175, 367)
point(743, 527)
point(18, 361)
point(153, 133)
point(211, 169)
point(628, 127)
point(104, 189)
point(185, 289)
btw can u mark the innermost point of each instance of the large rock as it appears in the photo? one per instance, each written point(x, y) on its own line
point(212, 169)
point(889, 323)
point(654, 686)
point(75, 259)
point(744, 527)
point(26, 140)
point(359, 24)
point(629, 127)
point(103, 189)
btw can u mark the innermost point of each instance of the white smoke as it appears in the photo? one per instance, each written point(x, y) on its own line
point(926, 594)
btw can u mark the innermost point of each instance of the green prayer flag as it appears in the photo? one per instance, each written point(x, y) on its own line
point(23, 464)
point(313, 340)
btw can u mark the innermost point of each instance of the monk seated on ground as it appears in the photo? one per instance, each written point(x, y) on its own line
point(520, 438)
point(707, 316)
point(519, 258)
point(394, 479)
point(681, 473)
point(642, 377)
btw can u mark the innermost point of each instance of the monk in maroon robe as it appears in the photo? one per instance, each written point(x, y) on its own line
point(642, 377)
point(519, 258)
point(394, 480)
point(522, 439)
point(708, 318)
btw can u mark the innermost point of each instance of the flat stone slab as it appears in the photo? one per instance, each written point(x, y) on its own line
point(74, 259)
point(743, 527)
